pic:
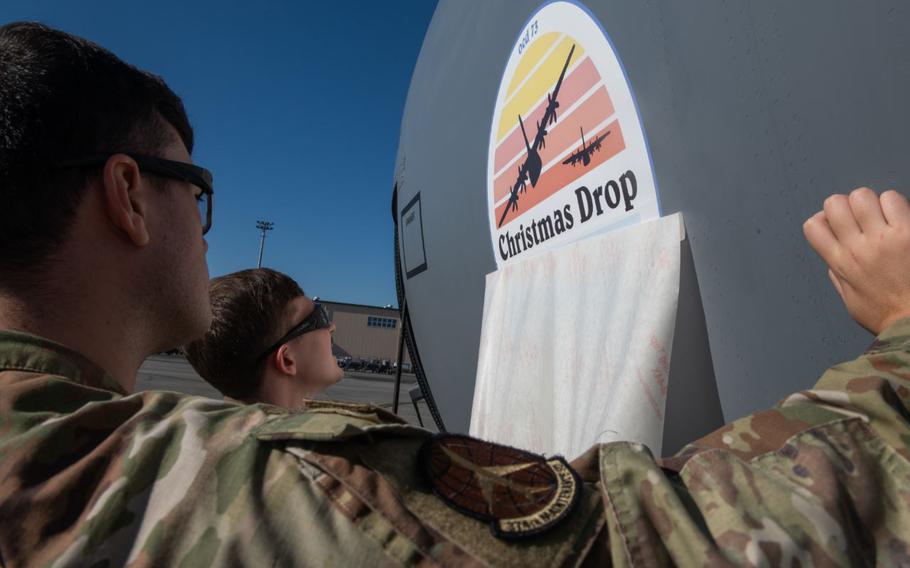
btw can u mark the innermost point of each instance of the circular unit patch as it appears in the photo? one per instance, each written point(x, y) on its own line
point(567, 155)
point(519, 493)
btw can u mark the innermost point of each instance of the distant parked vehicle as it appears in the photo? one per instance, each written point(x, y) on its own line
point(355, 365)
point(343, 361)
point(379, 366)
point(405, 367)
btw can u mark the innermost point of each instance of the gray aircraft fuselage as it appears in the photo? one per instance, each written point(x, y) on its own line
point(753, 112)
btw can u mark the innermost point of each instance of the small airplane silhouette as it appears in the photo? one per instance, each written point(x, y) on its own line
point(583, 154)
point(530, 168)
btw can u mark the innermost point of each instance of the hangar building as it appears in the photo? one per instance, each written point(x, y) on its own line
point(365, 332)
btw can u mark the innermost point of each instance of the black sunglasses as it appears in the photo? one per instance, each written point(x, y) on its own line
point(318, 319)
point(190, 173)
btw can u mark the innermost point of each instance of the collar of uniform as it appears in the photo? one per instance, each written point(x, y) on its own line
point(898, 331)
point(895, 337)
point(24, 352)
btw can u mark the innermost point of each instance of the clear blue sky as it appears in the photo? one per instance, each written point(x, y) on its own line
point(297, 108)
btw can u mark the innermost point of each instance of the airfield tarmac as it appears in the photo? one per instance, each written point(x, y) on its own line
point(174, 373)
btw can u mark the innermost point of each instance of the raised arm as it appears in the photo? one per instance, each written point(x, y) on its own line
point(865, 240)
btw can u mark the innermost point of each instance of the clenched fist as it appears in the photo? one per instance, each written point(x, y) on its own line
point(865, 240)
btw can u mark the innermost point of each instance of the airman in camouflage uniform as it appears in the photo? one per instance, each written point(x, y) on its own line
point(91, 475)
point(268, 342)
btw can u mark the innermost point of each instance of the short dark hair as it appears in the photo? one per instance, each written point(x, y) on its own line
point(249, 313)
point(62, 96)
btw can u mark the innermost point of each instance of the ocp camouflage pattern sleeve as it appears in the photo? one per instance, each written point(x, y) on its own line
point(91, 477)
point(821, 479)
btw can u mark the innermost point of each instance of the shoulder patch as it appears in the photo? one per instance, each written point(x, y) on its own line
point(519, 493)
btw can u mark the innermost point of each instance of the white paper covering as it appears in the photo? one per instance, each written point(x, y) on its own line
point(575, 344)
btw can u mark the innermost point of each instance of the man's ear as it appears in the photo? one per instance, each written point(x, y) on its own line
point(126, 197)
point(284, 361)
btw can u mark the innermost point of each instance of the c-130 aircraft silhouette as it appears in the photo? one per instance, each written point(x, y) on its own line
point(583, 154)
point(529, 170)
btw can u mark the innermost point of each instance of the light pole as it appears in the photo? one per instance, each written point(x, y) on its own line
point(263, 226)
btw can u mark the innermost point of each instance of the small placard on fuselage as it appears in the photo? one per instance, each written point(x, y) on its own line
point(413, 251)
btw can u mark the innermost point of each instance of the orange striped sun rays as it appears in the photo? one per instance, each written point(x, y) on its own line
point(584, 104)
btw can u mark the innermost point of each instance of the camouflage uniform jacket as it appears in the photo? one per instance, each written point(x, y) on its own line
point(92, 477)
